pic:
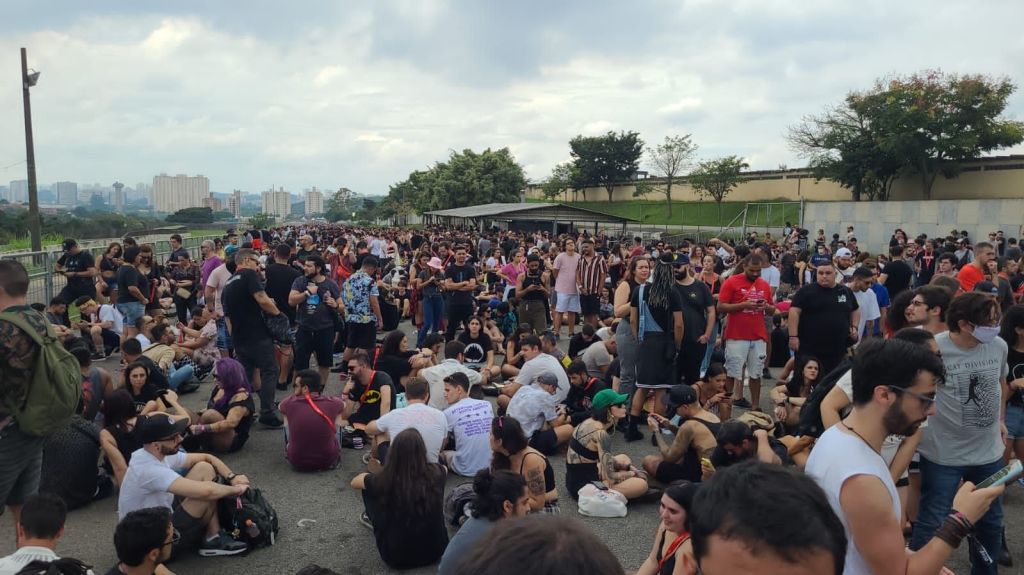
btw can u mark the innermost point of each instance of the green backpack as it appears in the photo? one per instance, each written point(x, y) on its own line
point(56, 385)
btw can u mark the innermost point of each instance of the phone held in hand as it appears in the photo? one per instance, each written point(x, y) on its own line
point(1003, 476)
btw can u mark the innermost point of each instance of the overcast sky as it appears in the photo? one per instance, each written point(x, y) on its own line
point(358, 94)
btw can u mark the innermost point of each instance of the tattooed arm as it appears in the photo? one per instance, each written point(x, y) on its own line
point(606, 461)
point(535, 482)
point(674, 452)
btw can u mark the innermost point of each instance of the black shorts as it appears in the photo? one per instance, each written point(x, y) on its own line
point(669, 472)
point(314, 342)
point(361, 335)
point(190, 529)
point(545, 441)
point(590, 304)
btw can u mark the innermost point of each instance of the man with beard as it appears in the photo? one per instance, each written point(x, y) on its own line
point(894, 386)
point(698, 319)
point(317, 299)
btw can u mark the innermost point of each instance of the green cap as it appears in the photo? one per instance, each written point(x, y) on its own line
point(607, 397)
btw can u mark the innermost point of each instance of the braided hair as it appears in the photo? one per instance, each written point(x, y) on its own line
point(662, 283)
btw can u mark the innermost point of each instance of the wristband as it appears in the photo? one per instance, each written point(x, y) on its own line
point(794, 337)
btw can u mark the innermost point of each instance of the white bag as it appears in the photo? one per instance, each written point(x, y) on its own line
point(594, 502)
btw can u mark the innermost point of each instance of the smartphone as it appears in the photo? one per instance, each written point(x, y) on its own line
point(1003, 476)
point(707, 462)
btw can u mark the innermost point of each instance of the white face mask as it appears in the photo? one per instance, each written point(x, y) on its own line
point(985, 333)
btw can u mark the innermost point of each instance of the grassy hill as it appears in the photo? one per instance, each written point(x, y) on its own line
point(698, 213)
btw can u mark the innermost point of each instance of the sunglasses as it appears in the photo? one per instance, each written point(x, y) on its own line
point(175, 538)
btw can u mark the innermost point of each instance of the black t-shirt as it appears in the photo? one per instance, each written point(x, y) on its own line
point(780, 347)
point(898, 277)
point(787, 269)
point(578, 345)
point(303, 254)
point(529, 280)
point(109, 265)
point(476, 348)
point(79, 262)
point(404, 540)
point(148, 393)
point(316, 316)
point(242, 309)
point(457, 274)
point(824, 317)
point(69, 462)
point(369, 400)
point(128, 276)
point(696, 299)
point(721, 458)
point(927, 263)
point(396, 366)
point(662, 316)
point(1015, 363)
point(279, 282)
point(578, 401)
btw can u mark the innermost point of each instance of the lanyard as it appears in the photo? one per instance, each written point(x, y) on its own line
point(673, 548)
point(314, 407)
point(369, 385)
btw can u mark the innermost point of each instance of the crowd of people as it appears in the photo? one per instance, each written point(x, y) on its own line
point(898, 389)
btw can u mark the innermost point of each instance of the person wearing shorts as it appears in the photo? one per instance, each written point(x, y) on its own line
point(746, 299)
point(567, 296)
point(316, 298)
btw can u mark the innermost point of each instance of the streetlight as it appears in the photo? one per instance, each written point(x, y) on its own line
point(28, 79)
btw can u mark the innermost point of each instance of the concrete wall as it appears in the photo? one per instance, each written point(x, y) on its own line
point(874, 222)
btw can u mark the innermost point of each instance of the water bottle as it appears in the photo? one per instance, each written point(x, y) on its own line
point(313, 299)
point(251, 529)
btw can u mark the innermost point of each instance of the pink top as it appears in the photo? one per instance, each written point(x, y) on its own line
point(512, 272)
point(566, 266)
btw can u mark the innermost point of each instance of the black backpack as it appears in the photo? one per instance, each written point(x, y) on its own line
point(249, 518)
point(810, 413)
point(62, 566)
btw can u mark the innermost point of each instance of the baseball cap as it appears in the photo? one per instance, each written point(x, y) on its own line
point(608, 397)
point(68, 244)
point(680, 395)
point(986, 286)
point(547, 378)
point(681, 259)
point(158, 427)
point(844, 253)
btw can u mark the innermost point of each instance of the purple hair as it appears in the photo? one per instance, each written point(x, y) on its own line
point(231, 378)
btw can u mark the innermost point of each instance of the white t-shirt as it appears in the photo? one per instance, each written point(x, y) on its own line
point(838, 456)
point(430, 422)
point(435, 379)
point(868, 305)
point(532, 407)
point(541, 364)
point(110, 313)
point(772, 275)
point(470, 421)
point(147, 481)
point(143, 340)
point(217, 279)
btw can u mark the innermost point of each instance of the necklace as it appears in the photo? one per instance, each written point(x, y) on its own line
point(866, 442)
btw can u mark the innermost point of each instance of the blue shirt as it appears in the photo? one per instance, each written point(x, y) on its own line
point(355, 294)
point(882, 295)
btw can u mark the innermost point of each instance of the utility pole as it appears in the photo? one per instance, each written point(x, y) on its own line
point(27, 81)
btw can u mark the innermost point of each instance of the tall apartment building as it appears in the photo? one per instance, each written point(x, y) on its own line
point(235, 203)
point(213, 203)
point(17, 193)
point(172, 193)
point(66, 192)
point(117, 197)
point(314, 201)
point(277, 204)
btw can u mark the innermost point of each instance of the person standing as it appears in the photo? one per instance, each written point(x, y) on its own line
point(897, 275)
point(567, 296)
point(590, 276)
point(532, 291)
point(359, 297)
point(976, 270)
point(964, 440)
point(318, 301)
point(698, 320)
point(280, 277)
point(460, 283)
point(745, 299)
point(637, 272)
point(429, 285)
point(210, 261)
point(823, 320)
point(184, 280)
point(244, 303)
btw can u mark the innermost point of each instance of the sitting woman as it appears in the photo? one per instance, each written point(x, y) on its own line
point(117, 438)
point(790, 397)
point(405, 504)
point(479, 354)
point(147, 397)
point(711, 391)
point(514, 359)
point(224, 426)
point(672, 553)
point(513, 453)
point(590, 458)
point(201, 341)
point(497, 495)
point(400, 362)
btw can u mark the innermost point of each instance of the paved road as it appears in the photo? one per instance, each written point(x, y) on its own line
point(337, 540)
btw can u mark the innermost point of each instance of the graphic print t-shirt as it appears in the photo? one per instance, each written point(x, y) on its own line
point(965, 427)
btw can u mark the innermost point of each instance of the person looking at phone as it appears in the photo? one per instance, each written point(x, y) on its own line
point(545, 421)
point(695, 438)
point(318, 302)
point(894, 387)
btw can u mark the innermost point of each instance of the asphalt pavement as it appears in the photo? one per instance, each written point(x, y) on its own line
point(319, 513)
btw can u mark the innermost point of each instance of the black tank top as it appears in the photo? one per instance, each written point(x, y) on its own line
point(530, 280)
point(691, 461)
point(549, 473)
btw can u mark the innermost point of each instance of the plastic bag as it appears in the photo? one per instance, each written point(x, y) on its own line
point(594, 502)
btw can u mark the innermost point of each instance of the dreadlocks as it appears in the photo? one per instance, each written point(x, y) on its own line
point(662, 283)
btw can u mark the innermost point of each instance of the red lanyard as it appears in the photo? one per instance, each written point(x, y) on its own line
point(314, 407)
point(369, 385)
point(590, 383)
point(673, 548)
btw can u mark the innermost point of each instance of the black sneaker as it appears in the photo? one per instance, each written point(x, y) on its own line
point(271, 420)
point(633, 435)
point(766, 374)
point(741, 402)
point(339, 369)
point(98, 356)
point(222, 545)
point(282, 386)
point(365, 520)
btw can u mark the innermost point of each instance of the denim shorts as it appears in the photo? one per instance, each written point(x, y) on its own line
point(1015, 422)
point(223, 335)
point(131, 311)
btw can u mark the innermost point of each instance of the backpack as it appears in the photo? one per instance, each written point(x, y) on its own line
point(62, 566)
point(455, 503)
point(810, 414)
point(249, 518)
point(56, 385)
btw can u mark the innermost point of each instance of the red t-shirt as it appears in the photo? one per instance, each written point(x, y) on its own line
point(968, 276)
point(312, 443)
point(746, 324)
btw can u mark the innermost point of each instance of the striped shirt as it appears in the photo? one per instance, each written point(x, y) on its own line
point(591, 274)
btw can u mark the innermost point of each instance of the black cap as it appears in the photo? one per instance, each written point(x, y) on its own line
point(68, 244)
point(985, 286)
point(680, 395)
point(158, 427)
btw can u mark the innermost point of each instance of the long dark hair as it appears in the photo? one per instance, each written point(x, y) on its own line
point(391, 343)
point(492, 489)
point(509, 432)
point(118, 408)
point(662, 283)
point(896, 318)
point(405, 483)
point(1012, 319)
point(798, 386)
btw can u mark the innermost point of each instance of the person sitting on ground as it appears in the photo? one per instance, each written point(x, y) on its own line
point(581, 341)
point(39, 529)
point(159, 475)
point(370, 392)
point(70, 463)
point(497, 495)
point(590, 458)
point(680, 457)
point(549, 345)
point(537, 362)
point(479, 352)
point(581, 395)
point(201, 341)
point(163, 355)
point(726, 510)
point(436, 376)
point(96, 383)
point(737, 442)
point(400, 362)
point(103, 324)
point(540, 545)
point(468, 421)
point(143, 540)
point(598, 356)
point(131, 352)
point(147, 396)
point(544, 421)
point(223, 427)
point(514, 357)
point(791, 395)
point(405, 504)
point(672, 553)
point(117, 438)
point(311, 424)
point(512, 453)
point(711, 391)
point(430, 422)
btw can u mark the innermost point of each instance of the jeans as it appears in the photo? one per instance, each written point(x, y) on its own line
point(21, 462)
point(939, 483)
point(179, 375)
point(433, 313)
point(627, 348)
point(261, 355)
point(710, 349)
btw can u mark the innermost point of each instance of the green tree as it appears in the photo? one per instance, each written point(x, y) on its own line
point(671, 159)
point(563, 179)
point(192, 216)
point(606, 160)
point(261, 221)
point(466, 179)
point(716, 178)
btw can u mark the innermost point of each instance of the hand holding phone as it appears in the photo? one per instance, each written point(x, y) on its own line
point(1003, 476)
